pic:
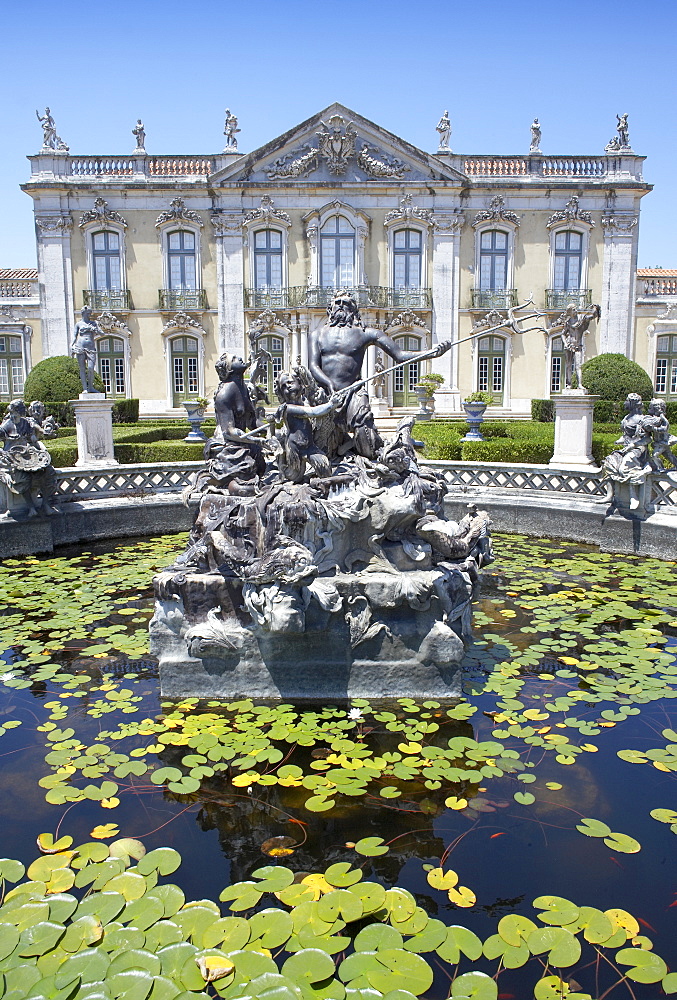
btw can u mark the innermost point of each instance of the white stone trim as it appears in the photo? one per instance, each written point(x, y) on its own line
point(114, 327)
point(17, 328)
point(392, 228)
point(501, 226)
point(316, 219)
point(182, 325)
point(507, 363)
point(88, 230)
point(583, 230)
point(165, 229)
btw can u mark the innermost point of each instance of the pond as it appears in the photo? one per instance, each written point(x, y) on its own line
point(516, 843)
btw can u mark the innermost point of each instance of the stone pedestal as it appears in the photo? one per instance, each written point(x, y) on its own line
point(573, 429)
point(94, 429)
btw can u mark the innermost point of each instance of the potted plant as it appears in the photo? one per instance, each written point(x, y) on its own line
point(195, 411)
point(426, 388)
point(474, 405)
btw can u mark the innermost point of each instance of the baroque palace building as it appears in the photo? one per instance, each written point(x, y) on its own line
point(184, 257)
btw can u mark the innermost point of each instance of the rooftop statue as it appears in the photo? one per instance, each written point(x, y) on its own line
point(621, 141)
point(25, 464)
point(535, 146)
point(230, 131)
point(140, 133)
point(50, 140)
point(444, 128)
point(573, 327)
point(84, 347)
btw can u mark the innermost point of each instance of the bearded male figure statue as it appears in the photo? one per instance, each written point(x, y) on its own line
point(335, 361)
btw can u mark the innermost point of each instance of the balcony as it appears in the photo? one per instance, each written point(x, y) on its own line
point(558, 299)
point(107, 299)
point(317, 297)
point(186, 299)
point(496, 298)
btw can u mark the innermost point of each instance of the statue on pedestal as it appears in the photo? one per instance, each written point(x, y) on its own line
point(535, 146)
point(573, 327)
point(621, 141)
point(50, 140)
point(230, 131)
point(661, 438)
point(444, 128)
point(84, 347)
point(140, 134)
point(25, 464)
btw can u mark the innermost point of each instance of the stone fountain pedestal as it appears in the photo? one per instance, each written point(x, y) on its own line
point(94, 429)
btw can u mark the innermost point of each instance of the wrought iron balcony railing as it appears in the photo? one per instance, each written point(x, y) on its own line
point(496, 298)
point(557, 298)
point(182, 298)
point(113, 299)
point(317, 297)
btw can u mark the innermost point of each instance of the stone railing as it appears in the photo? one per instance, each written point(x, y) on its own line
point(179, 166)
point(128, 166)
point(654, 287)
point(471, 477)
point(540, 166)
point(124, 481)
point(98, 166)
point(115, 299)
point(556, 298)
point(182, 298)
point(499, 298)
point(14, 289)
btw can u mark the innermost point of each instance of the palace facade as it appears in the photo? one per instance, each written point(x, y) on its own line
point(184, 257)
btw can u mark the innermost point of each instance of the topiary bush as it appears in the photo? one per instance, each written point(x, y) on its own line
point(613, 376)
point(57, 380)
point(543, 410)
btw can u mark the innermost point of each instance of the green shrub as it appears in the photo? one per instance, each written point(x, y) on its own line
point(606, 411)
point(603, 445)
point(56, 379)
point(507, 450)
point(671, 412)
point(63, 413)
point(543, 410)
point(126, 411)
point(613, 376)
point(159, 451)
point(62, 454)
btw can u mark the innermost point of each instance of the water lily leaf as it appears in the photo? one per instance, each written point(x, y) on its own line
point(91, 851)
point(127, 848)
point(270, 928)
point(136, 767)
point(623, 843)
point(390, 792)
point(135, 959)
point(318, 804)
point(462, 896)
point(279, 847)
point(593, 828)
point(524, 798)
point(371, 847)
point(378, 937)
point(644, 966)
point(557, 910)
point(454, 802)
point(400, 903)
point(40, 938)
point(164, 860)
point(298, 893)
point(439, 879)
point(664, 815)
point(128, 884)
point(563, 948)
point(104, 831)
point(48, 845)
point(515, 929)
point(624, 921)
point(342, 874)
point(166, 989)
point(340, 903)
point(474, 986)
point(9, 939)
point(250, 964)
point(460, 940)
point(104, 905)
point(274, 878)
point(12, 871)
point(162, 774)
point(242, 895)
point(669, 983)
point(311, 965)
point(213, 967)
point(371, 895)
point(133, 984)
point(89, 966)
point(554, 988)
point(429, 938)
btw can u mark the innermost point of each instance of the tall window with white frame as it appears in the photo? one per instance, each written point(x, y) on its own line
point(337, 253)
point(268, 267)
point(184, 358)
point(106, 261)
point(556, 365)
point(493, 260)
point(111, 355)
point(181, 260)
point(405, 379)
point(275, 348)
point(568, 261)
point(666, 365)
point(11, 366)
point(491, 367)
point(407, 267)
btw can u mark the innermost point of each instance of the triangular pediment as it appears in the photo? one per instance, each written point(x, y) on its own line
point(337, 145)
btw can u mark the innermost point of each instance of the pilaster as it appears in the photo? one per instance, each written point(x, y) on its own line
point(230, 278)
point(618, 282)
point(56, 283)
point(445, 294)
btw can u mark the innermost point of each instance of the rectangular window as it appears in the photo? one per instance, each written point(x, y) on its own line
point(17, 376)
point(119, 377)
point(4, 379)
point(104, 370)
point(192, 375)
point(568, 261)
point(497, 380)
point(3, 344)
point(413, 375)
point(483, 379)
point(178, 376)
point(673, 378)
point(399, 379)
point(556, 375)
point(661, 374)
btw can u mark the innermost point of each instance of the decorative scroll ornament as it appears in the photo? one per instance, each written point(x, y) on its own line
point(337, 143)
point(407, 320)
point(177, 211)
point(570, 213)
point(497, 212)
point(110, 323)
point(618, 225)
point(448, 222)
point(269, 321)
point(267, 213)
point(381, 165)
point(407, 211)
point(53, 224)
point(181, 321)
point(299, 163)
point(491, 320)
point(227, 224)
point(101, 213)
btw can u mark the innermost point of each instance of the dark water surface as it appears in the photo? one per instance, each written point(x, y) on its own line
point(583, 643)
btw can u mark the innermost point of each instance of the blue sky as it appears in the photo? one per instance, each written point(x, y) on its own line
point(494, 65)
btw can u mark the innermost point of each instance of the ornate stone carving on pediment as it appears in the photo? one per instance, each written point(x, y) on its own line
point(571, 213)
point(670, 311)
point(378, 165)
point(405, 320)
point(177, 212)
point(407, 211)
point(182, 321)
point(13, 314)
point(618, 225)
point(227, 224)
point(448, 222)
point(337, 143)
point(267, 213)
point(496, 212)
point(53, 225)
point(101, 213)
point(111, 325)
point(299, 163)
point(268, 321)
point(489, 320)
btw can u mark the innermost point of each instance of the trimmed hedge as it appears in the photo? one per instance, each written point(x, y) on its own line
point(507, 450)
point(543, 410)
point(126, 411)
point(613, 376)
point(56, 379)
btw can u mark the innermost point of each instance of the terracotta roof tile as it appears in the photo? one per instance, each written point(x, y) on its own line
point(657, 272)
point(18, 274)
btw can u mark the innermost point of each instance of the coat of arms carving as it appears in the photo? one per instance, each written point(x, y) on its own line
point(337, 143)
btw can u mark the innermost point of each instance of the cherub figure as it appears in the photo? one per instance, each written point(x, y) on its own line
point(297, 445)
point(660, 434)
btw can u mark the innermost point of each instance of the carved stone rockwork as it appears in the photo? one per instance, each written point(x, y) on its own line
point(101, 213)
point(571, 213)
point(177, 211)
point(496, 212)
point(314, 570)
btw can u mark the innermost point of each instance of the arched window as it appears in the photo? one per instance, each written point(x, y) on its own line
point(407, 252)
point(666, 365)
point(184, 362)
point(491, 367)
point(111, 354)
point(556, 365)
point(106, 261)
point(406, 378)
point(11, 366)
point(267, 259)
point(337, 253)
point(493, 260)
point(181, 260)
point(568, 262)
point(275, 347)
